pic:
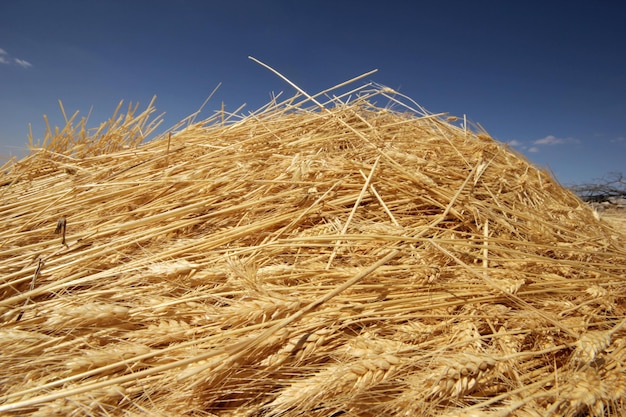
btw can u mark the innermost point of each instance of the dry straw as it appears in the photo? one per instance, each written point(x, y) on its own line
point(321, 256)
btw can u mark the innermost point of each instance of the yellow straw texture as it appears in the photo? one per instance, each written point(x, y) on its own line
point(348, 255)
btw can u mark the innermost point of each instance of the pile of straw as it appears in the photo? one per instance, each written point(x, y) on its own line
point(343, 259)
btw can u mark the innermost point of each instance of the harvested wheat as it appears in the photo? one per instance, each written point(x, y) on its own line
point(342, 258)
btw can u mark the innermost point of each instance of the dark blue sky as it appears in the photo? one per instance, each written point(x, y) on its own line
point(549, 77)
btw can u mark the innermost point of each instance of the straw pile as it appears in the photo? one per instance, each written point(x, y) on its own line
point(348, 260)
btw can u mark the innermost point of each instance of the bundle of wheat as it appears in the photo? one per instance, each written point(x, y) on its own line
point(331, 259)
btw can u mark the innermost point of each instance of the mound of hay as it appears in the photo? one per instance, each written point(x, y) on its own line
point(347, 260)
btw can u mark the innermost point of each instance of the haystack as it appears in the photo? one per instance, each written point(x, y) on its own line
point(360, 257)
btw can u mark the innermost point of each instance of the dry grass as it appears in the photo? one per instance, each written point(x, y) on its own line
point(352, 260)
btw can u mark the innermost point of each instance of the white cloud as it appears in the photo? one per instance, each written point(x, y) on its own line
point(549, 140)
point(6, 59)
point(535, 146)
point(22, 63)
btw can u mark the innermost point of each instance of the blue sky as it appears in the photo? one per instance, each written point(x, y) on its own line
point(548, 77)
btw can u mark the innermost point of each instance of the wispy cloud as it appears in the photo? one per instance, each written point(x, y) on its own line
point(22, 63)
point(619, 140)
point(553, 140)
point(549, 140)
point(6, 59)
point(535, 146)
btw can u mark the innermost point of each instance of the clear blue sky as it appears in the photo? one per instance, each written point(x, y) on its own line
point(549, 77)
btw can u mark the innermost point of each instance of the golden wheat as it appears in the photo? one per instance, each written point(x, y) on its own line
point(460, 375)
point(583, 393)
point(590, 345)
point(320, 256)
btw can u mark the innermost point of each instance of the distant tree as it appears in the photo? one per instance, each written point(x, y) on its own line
point(613, 185)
